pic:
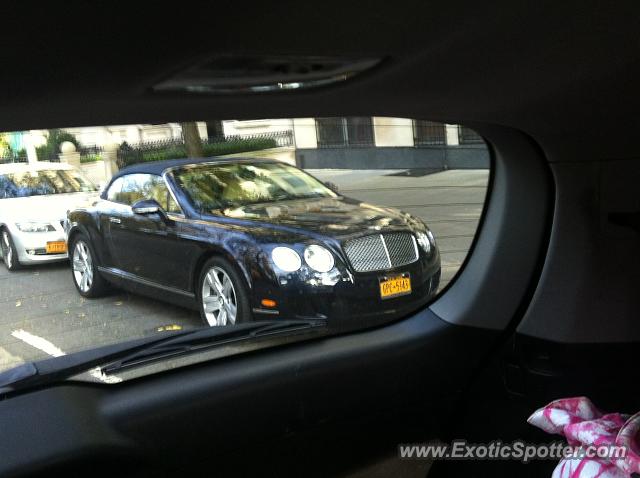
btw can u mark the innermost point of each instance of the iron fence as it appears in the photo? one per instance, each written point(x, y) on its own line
point(90, 154)
point(282, 138)
point(175, 148)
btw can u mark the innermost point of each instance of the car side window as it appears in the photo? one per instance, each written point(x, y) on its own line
point(172, 206)
point(154, 187)
point(114, 190)
point(132, 189)
point(136, 187)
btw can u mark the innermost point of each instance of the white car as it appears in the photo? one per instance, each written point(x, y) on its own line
point(34, 200)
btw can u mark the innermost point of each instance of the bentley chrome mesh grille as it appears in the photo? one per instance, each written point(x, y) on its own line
point(381, 251)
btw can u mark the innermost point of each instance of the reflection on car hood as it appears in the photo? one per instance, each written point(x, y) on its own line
point(332, 216)
point(48, 207)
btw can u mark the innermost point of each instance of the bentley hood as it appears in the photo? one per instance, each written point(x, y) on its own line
point(337, 217)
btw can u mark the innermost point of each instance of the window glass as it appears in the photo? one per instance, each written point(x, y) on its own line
point(133, 189)
point(352, 220)
point(43, 182)
point(341, 132)
point(172, 205)
point(215, 187)
point(114, 190)
point(153, 187)
point(428, 133)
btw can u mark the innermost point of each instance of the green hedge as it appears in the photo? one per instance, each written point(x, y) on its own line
point(133, 156)
point(90, 158)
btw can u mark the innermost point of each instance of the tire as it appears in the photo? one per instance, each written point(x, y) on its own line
point(213, 311)
point(9, 252)
point(84, 271)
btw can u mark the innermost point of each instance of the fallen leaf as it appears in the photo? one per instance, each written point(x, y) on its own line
point(18, 303)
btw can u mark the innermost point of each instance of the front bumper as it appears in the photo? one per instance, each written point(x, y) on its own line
point(31, 246)
point(352, 301)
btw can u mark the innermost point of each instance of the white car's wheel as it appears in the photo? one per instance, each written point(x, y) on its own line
point(9, 253)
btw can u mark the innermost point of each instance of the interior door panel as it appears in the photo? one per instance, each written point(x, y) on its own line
point(376, 384)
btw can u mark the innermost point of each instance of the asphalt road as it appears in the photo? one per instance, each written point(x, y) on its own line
point(42, 315)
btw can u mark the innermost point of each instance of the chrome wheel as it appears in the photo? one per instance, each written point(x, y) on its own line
point(7, 250)
point(219, 299)
point(82, 266)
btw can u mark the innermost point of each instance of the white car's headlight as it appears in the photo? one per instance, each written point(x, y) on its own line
point(318, 258)
point(35, 227)
point(286, 259)
point(425, 241)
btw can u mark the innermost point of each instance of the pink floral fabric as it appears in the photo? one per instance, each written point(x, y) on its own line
point(584, 425)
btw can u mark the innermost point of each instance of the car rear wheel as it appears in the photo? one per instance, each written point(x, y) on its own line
point(86, 277)
point(9, 253)
point(223, 295)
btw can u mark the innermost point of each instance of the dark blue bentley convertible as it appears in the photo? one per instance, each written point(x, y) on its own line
point(244, 239)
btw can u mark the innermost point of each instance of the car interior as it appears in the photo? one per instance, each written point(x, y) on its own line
point(545, 305)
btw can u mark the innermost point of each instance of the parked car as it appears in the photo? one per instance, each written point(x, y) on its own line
point(243, 239)
point(34, 200)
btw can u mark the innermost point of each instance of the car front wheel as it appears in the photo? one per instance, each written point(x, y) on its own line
point(86, 277)
point(9, 254)
point(223, 295)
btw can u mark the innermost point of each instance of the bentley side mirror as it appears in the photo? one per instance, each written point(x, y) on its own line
point(146, 207)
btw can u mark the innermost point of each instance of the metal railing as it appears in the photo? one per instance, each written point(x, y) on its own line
point(217, 145)
point(282, 138)
point(90, 154)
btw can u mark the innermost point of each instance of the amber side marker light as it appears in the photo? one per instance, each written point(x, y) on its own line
point(268, 302)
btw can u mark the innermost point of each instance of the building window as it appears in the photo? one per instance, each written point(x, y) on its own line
point(468, 136)
point(428, 133)
point(344, 132)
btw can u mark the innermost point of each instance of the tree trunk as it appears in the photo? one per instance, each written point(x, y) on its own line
point(192, 139)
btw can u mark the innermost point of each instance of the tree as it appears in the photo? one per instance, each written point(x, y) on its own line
point(192, 139)
point(51, 149)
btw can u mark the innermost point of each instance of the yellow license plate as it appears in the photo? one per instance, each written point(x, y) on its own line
point(395, 286)
point(58, 247)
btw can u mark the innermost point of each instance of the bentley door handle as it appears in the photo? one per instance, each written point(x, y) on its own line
point(115, 220)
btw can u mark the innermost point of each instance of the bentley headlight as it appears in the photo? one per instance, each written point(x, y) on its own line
point(423, 241)
point(286, 259)
point(35, 227)
point(318, 258)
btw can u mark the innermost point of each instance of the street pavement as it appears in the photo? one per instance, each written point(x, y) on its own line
point(43, 315)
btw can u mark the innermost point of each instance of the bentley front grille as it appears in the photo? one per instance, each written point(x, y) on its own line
point(381, 251)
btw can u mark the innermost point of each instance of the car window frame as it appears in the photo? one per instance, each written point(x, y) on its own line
point(164, 180)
